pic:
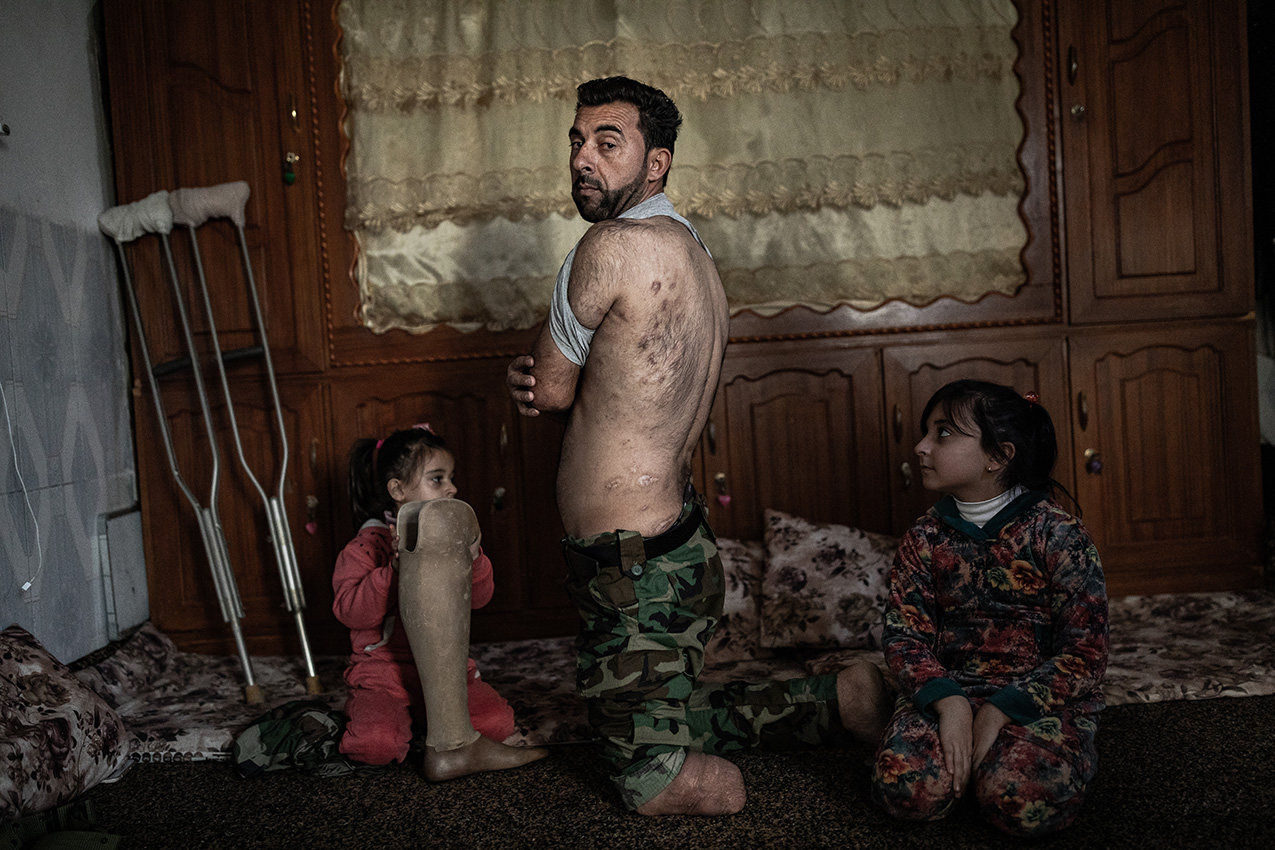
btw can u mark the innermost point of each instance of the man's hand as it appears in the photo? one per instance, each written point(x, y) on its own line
point(956, 723)
point(518, 381)
point(987, 725)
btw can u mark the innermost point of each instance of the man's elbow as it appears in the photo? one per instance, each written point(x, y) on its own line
point(549, 401)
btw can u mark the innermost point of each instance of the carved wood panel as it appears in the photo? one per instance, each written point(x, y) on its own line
point(1174, 438)
point(1156, 172)
point(797, 431)
point(204, 92)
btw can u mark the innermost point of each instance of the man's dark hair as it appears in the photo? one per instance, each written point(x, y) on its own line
point(658, 118)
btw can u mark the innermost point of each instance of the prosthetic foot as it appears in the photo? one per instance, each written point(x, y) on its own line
point(434, 589)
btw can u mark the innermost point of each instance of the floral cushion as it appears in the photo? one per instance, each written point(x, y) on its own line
point(738, 634)
point(123, 670)
point(825, 585)
point(58, 738)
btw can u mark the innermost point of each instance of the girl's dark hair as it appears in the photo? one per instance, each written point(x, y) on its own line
point(1004, 416)
point(658, 118)
point(371, 467)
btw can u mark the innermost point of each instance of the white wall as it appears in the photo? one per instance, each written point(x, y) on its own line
point(63, 366)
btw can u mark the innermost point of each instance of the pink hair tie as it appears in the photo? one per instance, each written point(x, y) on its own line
point(380, 442)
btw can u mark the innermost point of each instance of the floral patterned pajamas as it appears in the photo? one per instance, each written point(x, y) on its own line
point(1015, 614)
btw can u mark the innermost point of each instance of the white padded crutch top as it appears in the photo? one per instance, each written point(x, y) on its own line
point(151, 214)
point(192, 207)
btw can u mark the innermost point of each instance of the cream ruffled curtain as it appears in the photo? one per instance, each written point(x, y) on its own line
point(831, 152)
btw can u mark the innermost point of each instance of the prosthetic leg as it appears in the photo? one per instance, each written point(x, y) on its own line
point(434, 587)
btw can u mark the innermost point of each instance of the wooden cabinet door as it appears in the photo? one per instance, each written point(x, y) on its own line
point(1168, 414)
point(1157, 184)
point(914, 372)
point(183, 600)
point(796, 429)
point(205, 92)
point(466, 404)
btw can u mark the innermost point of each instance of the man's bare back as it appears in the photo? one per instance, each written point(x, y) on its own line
point(645, 396)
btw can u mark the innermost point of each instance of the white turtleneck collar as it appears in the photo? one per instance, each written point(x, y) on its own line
point(978, 513)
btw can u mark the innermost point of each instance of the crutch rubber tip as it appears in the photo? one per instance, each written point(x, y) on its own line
point(252, 694)
point(312, 685)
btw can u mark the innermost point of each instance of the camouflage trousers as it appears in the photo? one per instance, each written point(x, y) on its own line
point(645, 624)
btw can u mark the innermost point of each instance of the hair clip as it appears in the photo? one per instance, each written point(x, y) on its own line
point(1032, 397)
point(380, 442)
point(424, 426)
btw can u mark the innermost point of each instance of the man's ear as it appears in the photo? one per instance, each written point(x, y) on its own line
point(658, 161)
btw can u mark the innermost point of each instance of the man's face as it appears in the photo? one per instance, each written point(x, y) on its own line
point(608, 160)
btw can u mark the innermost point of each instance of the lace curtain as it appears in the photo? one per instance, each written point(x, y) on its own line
point(831, 152)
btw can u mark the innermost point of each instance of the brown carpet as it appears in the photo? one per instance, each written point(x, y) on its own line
point(1192, 774)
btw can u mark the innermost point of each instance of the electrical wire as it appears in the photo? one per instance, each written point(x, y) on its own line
point(25, 495)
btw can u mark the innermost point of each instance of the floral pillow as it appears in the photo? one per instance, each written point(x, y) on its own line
point(825, 585)
point(738, 633)
point(58, 738)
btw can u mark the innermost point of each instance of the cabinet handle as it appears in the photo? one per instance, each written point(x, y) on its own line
point(312, 515)
point(905, 469)
point(1093, 461)
point(498, 499)
point(1082, 410)
point(314, 456)
point(1073, 66)
point(293, 118)
point(503, 441)
point(723, 496)
point(289, 173)
point(1078, 112)
point(711, 434)
point(898, 423)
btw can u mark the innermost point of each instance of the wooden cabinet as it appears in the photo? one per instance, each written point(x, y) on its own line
point(182, 595)
point(1154, 139)
point(1166, 455)
point(206, 92)
point(796, 429)
point(1132, 324)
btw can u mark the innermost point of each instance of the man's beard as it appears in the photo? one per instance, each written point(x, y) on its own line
point(606, 204)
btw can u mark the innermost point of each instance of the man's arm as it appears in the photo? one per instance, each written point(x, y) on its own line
point(546, 381)
point(554, 377)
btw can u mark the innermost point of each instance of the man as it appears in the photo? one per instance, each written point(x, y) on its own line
point(639, 299)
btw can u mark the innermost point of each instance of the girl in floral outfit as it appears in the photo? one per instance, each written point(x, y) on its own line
point(996, 628)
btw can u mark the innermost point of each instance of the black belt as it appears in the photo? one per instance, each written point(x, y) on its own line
point(608, 554)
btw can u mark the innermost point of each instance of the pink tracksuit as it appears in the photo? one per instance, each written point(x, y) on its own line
point(384, 689)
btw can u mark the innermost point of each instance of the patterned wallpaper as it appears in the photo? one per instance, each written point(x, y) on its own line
point(65, 376)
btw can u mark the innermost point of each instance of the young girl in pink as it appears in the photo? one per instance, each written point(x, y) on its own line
point(385, 694)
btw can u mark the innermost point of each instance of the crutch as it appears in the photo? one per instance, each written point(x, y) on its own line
point(124, 224)
point(193, 207)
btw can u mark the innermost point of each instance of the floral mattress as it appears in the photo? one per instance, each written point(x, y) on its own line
point(806, 600)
